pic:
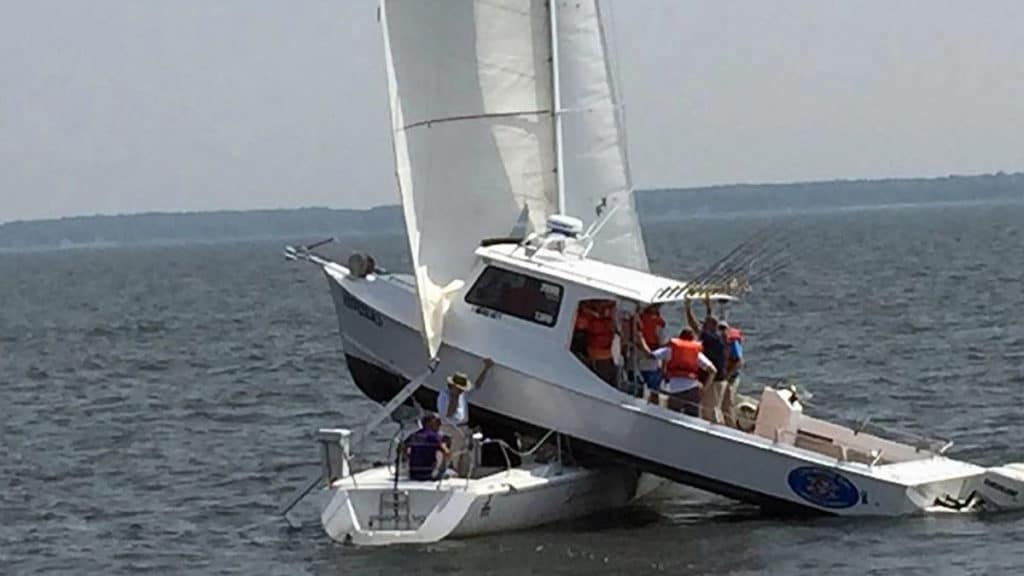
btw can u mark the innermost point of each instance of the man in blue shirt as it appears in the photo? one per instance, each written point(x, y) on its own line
point(423, 448)
point(714, 348)
point(733, 361)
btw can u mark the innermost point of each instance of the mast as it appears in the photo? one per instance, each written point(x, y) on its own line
point(556, 110)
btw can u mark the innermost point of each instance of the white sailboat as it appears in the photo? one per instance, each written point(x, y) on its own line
point(485, 144)
point(382, 506)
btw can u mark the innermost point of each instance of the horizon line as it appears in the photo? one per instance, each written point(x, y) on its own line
point(774, 184)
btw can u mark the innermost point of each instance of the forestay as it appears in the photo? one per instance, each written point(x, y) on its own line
point(471, 110)
point(595, 162)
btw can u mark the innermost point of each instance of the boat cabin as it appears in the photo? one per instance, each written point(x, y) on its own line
point(559, 292)
point(549, 291)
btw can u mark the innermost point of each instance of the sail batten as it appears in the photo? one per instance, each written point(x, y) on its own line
point(428, 123)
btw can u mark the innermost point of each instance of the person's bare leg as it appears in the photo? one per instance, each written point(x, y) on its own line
point(729, 401)
point(458, 446)
point(711, 401)
point(707, 403)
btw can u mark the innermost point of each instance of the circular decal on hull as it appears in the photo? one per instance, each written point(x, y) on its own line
point(823, 487)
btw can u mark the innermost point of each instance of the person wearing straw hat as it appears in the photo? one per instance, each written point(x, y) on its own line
point(453, 408)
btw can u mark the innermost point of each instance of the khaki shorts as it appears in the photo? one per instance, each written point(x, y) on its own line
point(460, 440)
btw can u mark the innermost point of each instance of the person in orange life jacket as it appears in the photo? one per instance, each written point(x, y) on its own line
point(714, 349)
point(648, 331)
point(733, 361)
point(682, 362)
point(599, 325)
point(579, 333)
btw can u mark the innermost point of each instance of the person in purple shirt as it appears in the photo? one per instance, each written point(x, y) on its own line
point(423, 449)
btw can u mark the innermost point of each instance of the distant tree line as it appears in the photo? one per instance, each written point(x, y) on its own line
point(825, 195)
point(320, 222)
point(198, 226)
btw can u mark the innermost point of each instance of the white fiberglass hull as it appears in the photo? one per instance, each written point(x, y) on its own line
point(377, 316)
point(424, 512)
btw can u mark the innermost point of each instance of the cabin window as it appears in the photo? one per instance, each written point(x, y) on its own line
point(517, 295)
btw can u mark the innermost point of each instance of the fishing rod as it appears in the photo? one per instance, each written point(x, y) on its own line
point(716, 266)
point(760, 241)
point(739, 264)
point(737, 270)
point(768, 273)
point(732, 274)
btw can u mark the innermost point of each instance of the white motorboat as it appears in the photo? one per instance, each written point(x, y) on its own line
point(380, 506)
point(489, 140)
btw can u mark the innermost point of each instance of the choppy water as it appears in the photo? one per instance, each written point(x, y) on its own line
point(158, 404)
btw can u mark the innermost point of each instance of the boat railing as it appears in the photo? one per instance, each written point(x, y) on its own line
point(479, 442)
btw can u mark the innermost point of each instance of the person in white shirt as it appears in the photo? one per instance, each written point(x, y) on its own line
point(453, 408)
point(682, 363)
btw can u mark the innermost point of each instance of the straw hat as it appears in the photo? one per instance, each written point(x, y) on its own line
point(460, 381)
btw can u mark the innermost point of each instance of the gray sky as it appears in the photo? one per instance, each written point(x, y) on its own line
point(114, 106)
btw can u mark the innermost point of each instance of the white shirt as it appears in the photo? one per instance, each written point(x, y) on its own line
point(461, 414)
point(680, 383)
point(643, 361)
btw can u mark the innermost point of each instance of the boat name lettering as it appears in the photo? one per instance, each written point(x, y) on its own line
point(823, 487)
point(362, 309)
point(1000, 488)
point(487, 312)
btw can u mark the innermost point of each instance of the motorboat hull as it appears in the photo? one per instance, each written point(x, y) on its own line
point(383, 347)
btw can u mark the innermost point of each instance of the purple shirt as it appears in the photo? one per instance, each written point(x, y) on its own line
point(423, 446)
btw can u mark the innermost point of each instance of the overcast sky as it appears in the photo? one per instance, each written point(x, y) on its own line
point(113, 106)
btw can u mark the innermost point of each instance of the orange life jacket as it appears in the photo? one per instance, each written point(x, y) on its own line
point(733, 335)
point(683, 362)
point(650, 322)
point(581, 322)
point(600, 335)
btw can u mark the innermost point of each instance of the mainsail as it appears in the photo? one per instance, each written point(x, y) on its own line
point(595, 162)
point(471, 111)
point(472, 108)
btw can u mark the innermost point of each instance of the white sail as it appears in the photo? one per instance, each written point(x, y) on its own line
point(471, 110)
point(595, 163)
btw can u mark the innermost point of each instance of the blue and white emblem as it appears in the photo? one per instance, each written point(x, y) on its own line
point(823, 487)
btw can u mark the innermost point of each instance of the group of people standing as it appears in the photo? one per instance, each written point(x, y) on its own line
point(698, 370)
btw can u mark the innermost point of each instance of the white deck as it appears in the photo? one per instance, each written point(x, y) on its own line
point(933, 469)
